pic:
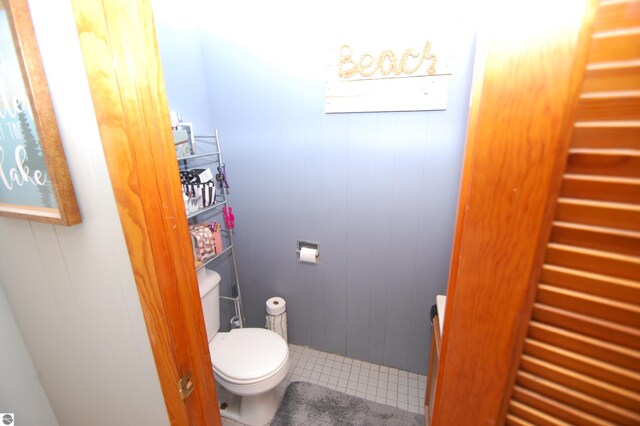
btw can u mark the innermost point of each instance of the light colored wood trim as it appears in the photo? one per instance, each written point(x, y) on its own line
point(430, 375)
point(608, 123)
point(613, 65)
point(438, 338)
point(503, 203)
point(434, 362)
point(118, 43)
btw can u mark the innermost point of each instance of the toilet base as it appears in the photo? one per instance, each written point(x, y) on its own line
point(253, 410)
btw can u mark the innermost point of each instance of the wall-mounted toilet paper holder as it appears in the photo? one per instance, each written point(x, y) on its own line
point(308, 246)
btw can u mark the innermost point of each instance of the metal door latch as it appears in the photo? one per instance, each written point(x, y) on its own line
point(185, 385)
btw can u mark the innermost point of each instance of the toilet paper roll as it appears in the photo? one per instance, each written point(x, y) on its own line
point(308, 255)
point(276, 306)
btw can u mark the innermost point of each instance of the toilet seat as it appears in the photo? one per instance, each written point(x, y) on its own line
point(248, 355)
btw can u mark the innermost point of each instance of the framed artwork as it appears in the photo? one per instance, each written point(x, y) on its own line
point(34, 178)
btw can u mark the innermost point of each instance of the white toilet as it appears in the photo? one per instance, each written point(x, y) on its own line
point(248, 362)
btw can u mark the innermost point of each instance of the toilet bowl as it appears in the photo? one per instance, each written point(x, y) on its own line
point(248, 362)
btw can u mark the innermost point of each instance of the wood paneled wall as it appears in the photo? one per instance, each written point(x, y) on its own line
point(581, 358)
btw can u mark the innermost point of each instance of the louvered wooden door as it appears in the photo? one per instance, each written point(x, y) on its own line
point(581, 358)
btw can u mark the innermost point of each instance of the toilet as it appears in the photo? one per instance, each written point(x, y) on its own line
point(248, 362)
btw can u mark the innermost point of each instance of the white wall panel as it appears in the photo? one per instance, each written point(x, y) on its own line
point(22, 394)
point(71, 289)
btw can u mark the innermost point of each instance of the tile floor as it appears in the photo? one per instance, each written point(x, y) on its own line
point(374, 382)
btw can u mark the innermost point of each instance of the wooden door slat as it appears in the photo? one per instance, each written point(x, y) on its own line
point(614, 215)
point(588, 325)
point(596, 388)
point(609, 108)
point(596, 237)
point(513, 420)
point(583, 303)
point(615, 15)
point(623, 47)
point(606, 372)
point(626, 291)
point(580, 400)
point(617, 76)
point(590, 187)
point(606, 135)
point(606, 162)
point(587, 346)
point(598, 261)
point(556, 409)
point(534, 416)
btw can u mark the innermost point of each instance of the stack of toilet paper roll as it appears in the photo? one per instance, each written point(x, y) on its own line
point(277, 316)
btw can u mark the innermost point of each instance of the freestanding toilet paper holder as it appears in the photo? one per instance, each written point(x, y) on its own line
point(307, 245)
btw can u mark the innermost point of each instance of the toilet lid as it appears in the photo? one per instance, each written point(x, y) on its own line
point(247, 354)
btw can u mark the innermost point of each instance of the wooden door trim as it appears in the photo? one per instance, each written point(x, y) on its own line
point(524, 98)
point(119, 48)
point(575, 78)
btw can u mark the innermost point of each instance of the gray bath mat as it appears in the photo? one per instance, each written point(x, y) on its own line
point(308, 404)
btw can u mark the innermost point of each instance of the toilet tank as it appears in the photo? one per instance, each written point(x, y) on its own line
point(208, 284)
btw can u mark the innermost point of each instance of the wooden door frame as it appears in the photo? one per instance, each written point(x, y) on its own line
point(525, 91)
point(121, 56)
point(120, 52)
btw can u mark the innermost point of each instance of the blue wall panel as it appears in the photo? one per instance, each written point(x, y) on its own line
point(378, 191)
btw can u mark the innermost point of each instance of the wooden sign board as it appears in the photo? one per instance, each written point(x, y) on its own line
point(375, 79)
